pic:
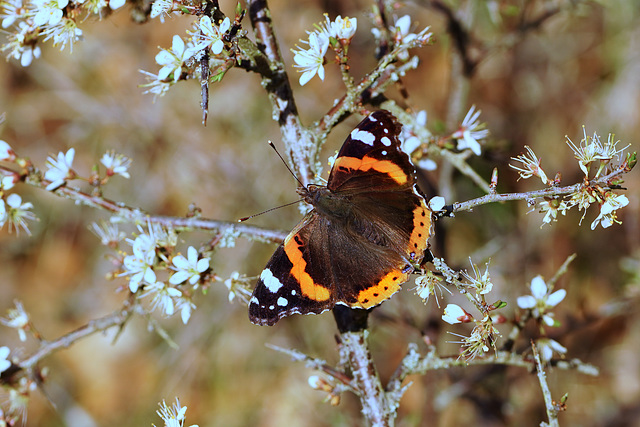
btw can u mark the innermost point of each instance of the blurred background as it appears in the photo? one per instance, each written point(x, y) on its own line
point(580, 67)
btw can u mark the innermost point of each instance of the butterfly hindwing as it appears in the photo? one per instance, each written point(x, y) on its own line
point(285, 286)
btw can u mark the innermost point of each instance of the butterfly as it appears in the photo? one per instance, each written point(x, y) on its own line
point(366, 233)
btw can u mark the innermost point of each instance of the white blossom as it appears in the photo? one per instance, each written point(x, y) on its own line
point(48, 12)
point(17, 319)
point(64, 33)
point(5, 363)
point(139, 265)
point(188, 268)
point(454, 314)
point(6, 152)
point(437, 203)
point(116, 164)
point(211, 35)
point(608, 210)
point(172, 60)
point(530, 166)
point(471, 131)
point(540, 301)
point(173, 416)
point(546, 348)
point(17, 213)
point(59, 170)
point(108, 233)
point(311, 61)
point(116, 4)
point(161, 8)
point(20, 45)
point(340, 28)
point(552, 207)
point(163, 297)
point(12, 10)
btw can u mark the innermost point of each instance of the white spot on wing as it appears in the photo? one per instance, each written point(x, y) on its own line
point(363, 136)
point(254, 300)
point(384, 152)
point(270, 281)
point(293, 291)
point(386, 141)
point(282, 302)
point(373, 119)
point(271, 307)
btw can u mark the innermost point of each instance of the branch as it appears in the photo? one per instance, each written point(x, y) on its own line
point(374, 401)
point(552, 412)
point(547, 192)
point(136, 215)
point(298, 140)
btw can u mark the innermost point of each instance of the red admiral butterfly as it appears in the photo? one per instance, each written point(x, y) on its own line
point(368, 229)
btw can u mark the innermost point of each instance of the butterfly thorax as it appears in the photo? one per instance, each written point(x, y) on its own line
point(325, 201)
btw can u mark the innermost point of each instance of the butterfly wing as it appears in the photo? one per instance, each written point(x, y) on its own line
point(371, 159)
point(286, 285)
point(387, 209)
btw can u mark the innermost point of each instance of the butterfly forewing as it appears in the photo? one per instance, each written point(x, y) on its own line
point(371, 158)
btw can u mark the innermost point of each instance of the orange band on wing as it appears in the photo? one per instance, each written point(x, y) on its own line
point(386, 287)
point(367, 163)
point(308, 287)
point(421, 229)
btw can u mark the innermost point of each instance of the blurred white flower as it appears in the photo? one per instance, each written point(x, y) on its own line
point(481, 282)
point(163, 297)
point(546, 348)
point(17, 319)
point(16, 213)
point(108, 233)
point(6, 152)
point(552, 207)
point(59, 170)
point(64, 33)
point(471, 131)
point(116, 164)
point(5, 363)
point(173, 416)
point(140, 265)
point(161, 8)
point(48, 12)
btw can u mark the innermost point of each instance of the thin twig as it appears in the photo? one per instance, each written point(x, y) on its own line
point(136, 215)
point(552, 412)
point(547, 192)
point(117, 318)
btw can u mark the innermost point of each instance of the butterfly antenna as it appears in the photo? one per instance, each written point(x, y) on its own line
point(287, 166)
point(268, 210)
